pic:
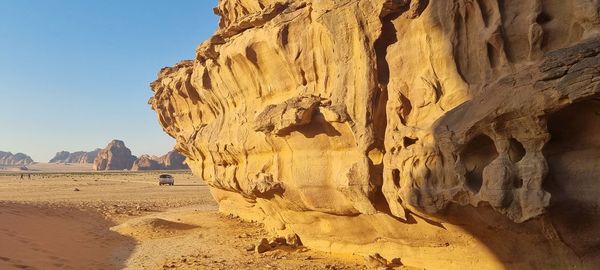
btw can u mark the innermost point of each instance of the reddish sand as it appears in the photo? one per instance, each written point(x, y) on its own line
point(38, 237)
point(125, 220)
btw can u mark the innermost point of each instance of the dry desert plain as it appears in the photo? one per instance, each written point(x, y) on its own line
point(125, 220)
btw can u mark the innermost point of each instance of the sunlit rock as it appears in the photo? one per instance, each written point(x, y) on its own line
point(451, 134)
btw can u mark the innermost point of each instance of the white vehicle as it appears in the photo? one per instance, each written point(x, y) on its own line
point(166, 179)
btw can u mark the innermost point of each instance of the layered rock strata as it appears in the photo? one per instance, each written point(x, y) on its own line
point(452, 134)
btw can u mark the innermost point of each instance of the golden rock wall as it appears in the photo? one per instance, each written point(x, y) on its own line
point(446, 133)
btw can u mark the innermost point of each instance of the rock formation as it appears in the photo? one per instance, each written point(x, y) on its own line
point(453, 134)
point(171, 161)
point(116, 156)
point(60, 157)
point(18, 159)
point(75, 157)
point(146, 163)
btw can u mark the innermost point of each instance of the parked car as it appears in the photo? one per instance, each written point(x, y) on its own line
point(166, 179)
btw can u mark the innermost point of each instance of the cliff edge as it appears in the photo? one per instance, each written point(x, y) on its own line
point(451, 134)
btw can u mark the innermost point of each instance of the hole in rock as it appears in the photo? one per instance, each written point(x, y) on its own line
point(318, 126)
point(406, 141)
point(396, 177)
point(543, 18)
point(516, 151)
point(518, 183)
point(478, 153)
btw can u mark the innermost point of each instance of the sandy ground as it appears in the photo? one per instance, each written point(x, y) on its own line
point(49, 167)
point(123, 220)
point(34, 237)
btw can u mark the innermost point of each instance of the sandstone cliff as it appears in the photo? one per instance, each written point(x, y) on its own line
point(170, 161)
point(75, 157)
point(454, 134)
point(18, 159)
point(116, 156)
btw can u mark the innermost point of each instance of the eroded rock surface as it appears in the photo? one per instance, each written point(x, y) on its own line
point(445, 133)
point(116, 156)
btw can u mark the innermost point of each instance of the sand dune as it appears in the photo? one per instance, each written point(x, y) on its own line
point(152, 228)
point(38, 237)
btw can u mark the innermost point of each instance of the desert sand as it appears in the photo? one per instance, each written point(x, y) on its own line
point(41, 237)
point(125, 220)
point(48, 167)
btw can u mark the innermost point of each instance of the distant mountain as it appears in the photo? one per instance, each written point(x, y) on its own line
point(116, 156)
point(174, 161)
point(81, 157)
point(171, 161)
point(146, 163)
point(18, 159)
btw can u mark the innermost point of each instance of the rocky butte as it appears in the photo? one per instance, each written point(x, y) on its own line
point(452, 134)
point(18, 159)
point(170, 161)
point(81, 157)
point(116, 156)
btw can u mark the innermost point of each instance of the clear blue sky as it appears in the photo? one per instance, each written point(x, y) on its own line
point(75, 74)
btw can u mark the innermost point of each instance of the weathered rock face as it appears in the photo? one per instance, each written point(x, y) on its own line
point(116, 156)
point(447, 133)
point(75, 157)
point(60, 157)
point(173, 161)
point(18, 159)
point(170, 161)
